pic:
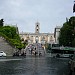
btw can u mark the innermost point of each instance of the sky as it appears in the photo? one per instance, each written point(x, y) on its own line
point(25, 13)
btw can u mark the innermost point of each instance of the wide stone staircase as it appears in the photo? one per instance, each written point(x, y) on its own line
point(6, 47)
point(38, 47)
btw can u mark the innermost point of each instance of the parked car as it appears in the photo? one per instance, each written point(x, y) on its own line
point(2, 54)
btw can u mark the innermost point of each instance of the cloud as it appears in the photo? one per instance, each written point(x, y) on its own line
point(25, 13)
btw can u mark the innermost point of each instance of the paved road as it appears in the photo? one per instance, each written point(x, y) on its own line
point(33, 66)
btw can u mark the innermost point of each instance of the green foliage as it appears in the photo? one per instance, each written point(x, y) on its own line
point(9, 33)
point(67, 33)
point(1, 22)
point(17, 43)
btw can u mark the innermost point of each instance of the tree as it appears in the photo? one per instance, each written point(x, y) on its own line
point(9, 33)
point(67, 33)
point(1, 22)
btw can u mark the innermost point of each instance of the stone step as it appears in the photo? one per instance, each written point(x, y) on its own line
point(6, 47)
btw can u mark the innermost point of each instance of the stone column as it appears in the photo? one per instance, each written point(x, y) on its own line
point(34, 39)
point(39, 39)
point(48, 39)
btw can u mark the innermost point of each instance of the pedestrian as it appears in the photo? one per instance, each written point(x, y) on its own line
point(35, 48)
point(35, 53)
point(31, 51)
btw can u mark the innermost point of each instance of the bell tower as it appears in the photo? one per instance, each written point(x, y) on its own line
point(37, 28)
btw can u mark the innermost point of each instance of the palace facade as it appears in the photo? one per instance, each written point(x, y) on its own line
point(38, 37)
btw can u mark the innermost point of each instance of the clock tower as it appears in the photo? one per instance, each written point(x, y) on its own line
point(37, 28)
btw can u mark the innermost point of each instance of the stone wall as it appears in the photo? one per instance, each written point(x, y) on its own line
point(6, 47)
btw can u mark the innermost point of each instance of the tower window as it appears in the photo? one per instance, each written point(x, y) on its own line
point(37, 25)
point(37, 29)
